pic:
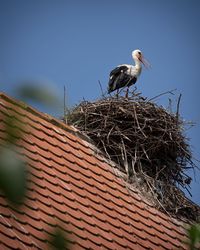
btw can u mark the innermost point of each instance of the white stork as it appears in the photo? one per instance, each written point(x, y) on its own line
point(126, 75)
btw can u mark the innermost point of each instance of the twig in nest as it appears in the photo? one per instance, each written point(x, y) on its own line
point(164, 93)
point(102, 93)
point(178, 105)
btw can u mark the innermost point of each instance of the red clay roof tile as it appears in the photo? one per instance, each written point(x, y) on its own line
point(72, 186)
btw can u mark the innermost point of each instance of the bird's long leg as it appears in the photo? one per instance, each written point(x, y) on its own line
point(117, 95)
point(134, 90)
point(127, 91)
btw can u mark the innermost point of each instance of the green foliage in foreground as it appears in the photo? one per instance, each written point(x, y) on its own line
point(12, 175)
point(194, 236)
point(58, 240)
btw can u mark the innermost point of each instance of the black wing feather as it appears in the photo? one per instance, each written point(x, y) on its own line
point(118, 70)
point(119, 79)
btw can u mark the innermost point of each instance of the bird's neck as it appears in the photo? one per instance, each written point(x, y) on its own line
point(138, 64)
point(138, 67)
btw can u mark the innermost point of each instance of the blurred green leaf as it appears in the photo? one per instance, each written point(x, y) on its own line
point(58, 240)
point(194, 236)
point(13, 132)
point(37, 93)
point(12, 175)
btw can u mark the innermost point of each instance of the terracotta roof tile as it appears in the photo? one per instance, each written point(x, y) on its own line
point(70, 185)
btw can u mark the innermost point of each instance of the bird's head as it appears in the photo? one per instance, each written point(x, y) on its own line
point(138, 56)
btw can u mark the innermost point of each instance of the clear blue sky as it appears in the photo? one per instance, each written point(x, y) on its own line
point(76, 43)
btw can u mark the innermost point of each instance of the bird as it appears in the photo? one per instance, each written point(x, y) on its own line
point(125, 75)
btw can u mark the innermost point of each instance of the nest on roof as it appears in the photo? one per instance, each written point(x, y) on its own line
point(147, 142)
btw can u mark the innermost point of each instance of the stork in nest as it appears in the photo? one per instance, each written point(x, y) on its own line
point(126, 75)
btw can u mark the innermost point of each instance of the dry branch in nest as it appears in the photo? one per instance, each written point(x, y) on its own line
point(146, 141)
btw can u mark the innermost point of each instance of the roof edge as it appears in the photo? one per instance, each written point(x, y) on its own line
point(46, 117)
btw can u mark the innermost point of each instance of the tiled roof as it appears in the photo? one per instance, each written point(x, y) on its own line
point(73, 186)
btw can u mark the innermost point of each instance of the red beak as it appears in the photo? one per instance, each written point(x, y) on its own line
point(144, 62)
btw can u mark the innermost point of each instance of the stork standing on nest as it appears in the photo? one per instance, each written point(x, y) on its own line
point(126, 75)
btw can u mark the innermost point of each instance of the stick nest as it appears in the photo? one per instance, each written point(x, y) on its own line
point(146, 142)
